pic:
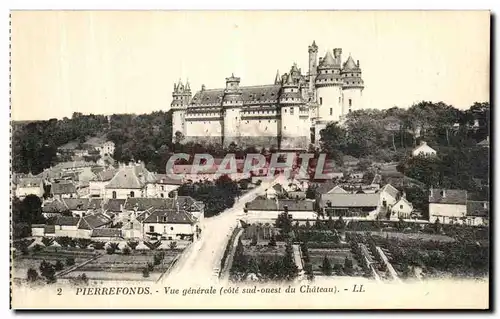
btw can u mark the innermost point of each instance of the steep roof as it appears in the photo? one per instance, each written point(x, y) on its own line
point(350, 64)
point(114, 204)
point(63, 188)
point(105, 175)
point(448, 196)
point(94, 221)
point(403, 200)
point(76, 203)
point(423, 147)
point(167, 179)
point(249, 94)
point(478, 208)
point(55, 206)
point(350, 200)
point(106, 232)
point(389, 189)
point(67, 221)
point(169, 217)
point(337, 190)
point(328, 59)
point(29, 182)
point(74, 164)
point(279, 205)
point(134, 177)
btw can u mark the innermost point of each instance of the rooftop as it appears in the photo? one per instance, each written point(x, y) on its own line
point(448, 196)
point(349, 200)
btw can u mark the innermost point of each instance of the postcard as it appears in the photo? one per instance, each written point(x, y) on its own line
point(250, 160)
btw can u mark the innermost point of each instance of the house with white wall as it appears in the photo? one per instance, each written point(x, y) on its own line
point(478, 213)
point(170, 224)
point(268, 210)
point(29, 186)
point(401, 209)
point(424, 150)
point(447, 205)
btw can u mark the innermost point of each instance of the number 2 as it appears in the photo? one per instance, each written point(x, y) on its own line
point(59, 291)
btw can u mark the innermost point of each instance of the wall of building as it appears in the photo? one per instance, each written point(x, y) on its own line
point(355, 95)
point(22, 192)
point(97, 188)
point(178, 117)
point(169, 229)
point(123, 193)
point(206, 125)
point(329, 98)
point(272, 215)
point(156, 190)
point(265, 126)
point(445, 212)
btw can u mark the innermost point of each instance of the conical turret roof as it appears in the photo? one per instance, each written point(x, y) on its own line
point(350, 64)
point(277, 80)
point(328, 60)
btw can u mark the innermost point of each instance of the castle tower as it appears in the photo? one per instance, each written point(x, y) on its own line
point(352, 90)
point(231, 106)
point(329, 87)
point(181, 97)
point(290, 102)
point(313, 58)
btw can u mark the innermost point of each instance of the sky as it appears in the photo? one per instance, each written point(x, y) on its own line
point(106, 62)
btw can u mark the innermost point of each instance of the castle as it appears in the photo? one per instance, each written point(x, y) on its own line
point(288, 114)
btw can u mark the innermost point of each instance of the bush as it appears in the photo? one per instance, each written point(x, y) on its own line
point(37, 248)
point(70, 261)
point(58, 266)
point(83, 242)
point(145, 272)
point(32, 275)
point(48, 271)
point(152, 245)
point(158, 258)
point(133, 244)
point(126, 250)
point(110, 250)
point(47, 241)
point(98, 245)
point(150, 266)
point(173, 245)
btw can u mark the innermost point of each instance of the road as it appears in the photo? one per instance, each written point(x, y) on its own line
point(200, 263)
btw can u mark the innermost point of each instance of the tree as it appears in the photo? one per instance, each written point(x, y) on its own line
point(126, 250)
point(98, 245)
point(48, 271)
point(326, 267)
point(32, 275)
point(132, 244)
point(254, 240)
point(272, 241)
point(284, 223)
point(348, 266)
point(83, 242)
point(173, 245)
point(70, 261)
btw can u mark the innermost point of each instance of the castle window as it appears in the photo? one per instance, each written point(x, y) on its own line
point(285, 127)
point(340, 99)
point(331, 111)
point(350, 102)
point(291, 111)
point(320, 101)
point(285, 110)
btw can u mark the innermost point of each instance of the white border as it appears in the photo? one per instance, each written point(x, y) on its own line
point(193, 5)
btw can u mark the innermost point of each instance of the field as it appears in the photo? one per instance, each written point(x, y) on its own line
point(50, 254)
point(336, 256)
point(126, 267)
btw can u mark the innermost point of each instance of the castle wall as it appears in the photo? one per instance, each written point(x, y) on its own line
point(355, 95)
point(203, 126)
point(265, 126)
point(330, 103)
point(178, 122)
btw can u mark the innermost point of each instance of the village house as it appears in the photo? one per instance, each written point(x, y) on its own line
point(162, 186)
point(388, 196)
point(29, 186)
point(447, 205)
point(98, 183)
point(423, 150)
point(477, 213)
point(63, 189)
point(350, 205)
point(401, 209)
point(168, 224)
point(268, 210)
